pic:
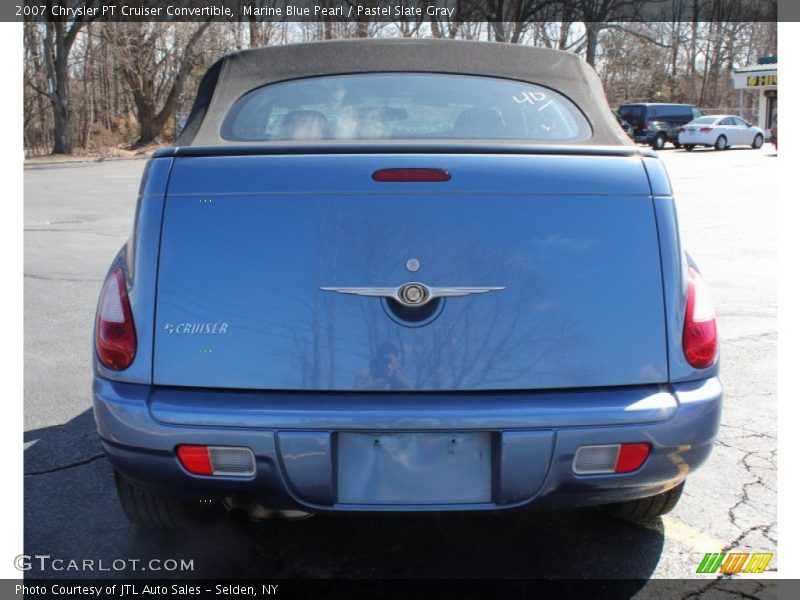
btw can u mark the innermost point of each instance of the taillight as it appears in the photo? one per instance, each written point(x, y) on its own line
point(610, 458)
point(631, 457)
point(230, 461)
point(706, 129)
point(115, 335)
point(682, 130)
point(644, 127)
point(699, 325)
point(195, 459)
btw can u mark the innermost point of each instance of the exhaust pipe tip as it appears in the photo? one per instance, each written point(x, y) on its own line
point(241, 511)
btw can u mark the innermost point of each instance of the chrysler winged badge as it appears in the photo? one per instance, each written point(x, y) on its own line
point(413, 294)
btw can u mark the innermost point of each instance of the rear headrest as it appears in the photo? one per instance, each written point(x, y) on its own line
point(480, 122)
point(304, 125)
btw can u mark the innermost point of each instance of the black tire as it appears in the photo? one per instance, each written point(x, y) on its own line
point(688, 147)
point(721, 143)
point(645, 509)
point(758, 141)
point(659, 142)
point(145, 509)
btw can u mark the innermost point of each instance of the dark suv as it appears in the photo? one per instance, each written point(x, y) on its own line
point(657, 124)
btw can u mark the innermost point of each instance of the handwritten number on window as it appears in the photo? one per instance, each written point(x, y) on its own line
point(529, 97)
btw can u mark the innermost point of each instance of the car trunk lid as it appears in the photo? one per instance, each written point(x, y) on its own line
point(250, 241)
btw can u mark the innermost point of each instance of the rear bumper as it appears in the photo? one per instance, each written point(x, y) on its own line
point(295, 438)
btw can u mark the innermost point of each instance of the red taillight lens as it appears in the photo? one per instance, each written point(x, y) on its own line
point(227, 461)
point(606, 459)
point(410, 175)
point(631, 457)
point(115, 335)
point(195, 459)
point(700, 325)
point(682, 130)
point(706, 129)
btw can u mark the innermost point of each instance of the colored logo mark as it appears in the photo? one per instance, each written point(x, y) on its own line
point(734, 562)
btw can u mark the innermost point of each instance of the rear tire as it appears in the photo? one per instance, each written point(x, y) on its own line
point(688, 147)
point(146, 509)
point(721, 143)
point(645, 509)
point(659, 142)
point(758, 141)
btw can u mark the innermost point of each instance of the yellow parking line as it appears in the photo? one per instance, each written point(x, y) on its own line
point(687, 535)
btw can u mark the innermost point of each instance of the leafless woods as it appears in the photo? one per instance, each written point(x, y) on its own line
point(94, 86)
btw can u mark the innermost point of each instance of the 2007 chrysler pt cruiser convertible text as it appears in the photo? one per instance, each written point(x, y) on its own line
point(394, 275)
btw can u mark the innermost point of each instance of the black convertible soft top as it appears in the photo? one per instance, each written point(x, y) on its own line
point(240, 72)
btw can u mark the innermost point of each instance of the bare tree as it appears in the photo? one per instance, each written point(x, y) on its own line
point(261, 31)
point(156, 61)
point(595, 15)
point(511, 18)
point(116, 83)
point(59, 36)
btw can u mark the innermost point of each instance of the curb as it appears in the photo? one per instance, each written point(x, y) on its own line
point(46, 161)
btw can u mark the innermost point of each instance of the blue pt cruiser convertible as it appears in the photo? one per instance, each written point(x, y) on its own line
point(394, 275)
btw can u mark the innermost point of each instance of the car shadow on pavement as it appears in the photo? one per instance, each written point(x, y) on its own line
point(71, 512)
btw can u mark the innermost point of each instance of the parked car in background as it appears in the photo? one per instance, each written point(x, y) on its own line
point(626, 127)
point(403, 275)
point(657, 123)
point(720, 132)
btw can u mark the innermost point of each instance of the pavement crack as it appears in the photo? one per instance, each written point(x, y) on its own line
point(714, 583)
point(758, 463)
point(745, 532)
point(751, 431)
point(721, 579)
point(79, 463)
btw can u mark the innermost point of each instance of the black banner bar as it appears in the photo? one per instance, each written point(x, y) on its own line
point(616, 589)
point(365, 11)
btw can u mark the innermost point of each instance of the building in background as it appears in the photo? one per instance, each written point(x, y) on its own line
point(761, 79)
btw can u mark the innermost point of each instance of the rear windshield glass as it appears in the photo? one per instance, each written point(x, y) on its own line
point(632, 114)
point(704, 121)
point(404, 106)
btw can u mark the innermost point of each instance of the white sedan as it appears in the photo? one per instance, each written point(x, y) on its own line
point(721, 132)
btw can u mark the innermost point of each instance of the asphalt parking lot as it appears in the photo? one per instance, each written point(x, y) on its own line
point(78, 215)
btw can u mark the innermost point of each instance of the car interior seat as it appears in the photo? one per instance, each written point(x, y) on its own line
point(479, 123)
point(304, 125)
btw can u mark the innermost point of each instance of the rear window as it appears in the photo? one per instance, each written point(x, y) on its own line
point(676, 112)
point(704, 121)
point(632, 114)
point(419, 106)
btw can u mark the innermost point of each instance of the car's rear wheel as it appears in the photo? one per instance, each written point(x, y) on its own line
point(758, 141)
point(721, 143)
point(645, 509)
point(659, 142)
point(146, 509)
point(688, 147)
